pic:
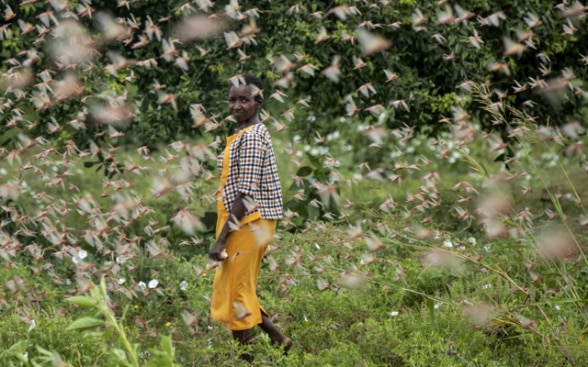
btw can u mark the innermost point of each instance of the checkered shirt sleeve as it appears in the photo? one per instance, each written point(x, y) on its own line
point(252, 151)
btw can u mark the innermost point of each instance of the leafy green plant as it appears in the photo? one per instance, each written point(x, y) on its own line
point(127, 353)
point(15, 355)
point(314, 195)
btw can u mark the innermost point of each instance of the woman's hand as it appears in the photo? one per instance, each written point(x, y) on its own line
point(218, 252)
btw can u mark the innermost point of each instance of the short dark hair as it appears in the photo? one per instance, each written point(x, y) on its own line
point(252, 79)
point(248, 79)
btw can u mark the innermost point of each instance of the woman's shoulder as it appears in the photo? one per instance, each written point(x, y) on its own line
point(261, 130)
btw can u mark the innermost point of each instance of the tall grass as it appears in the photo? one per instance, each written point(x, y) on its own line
point(457, 261)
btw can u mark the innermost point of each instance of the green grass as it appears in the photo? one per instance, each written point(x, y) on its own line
point(413, 300)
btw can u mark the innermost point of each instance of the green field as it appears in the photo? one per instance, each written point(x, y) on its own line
point(454, 262)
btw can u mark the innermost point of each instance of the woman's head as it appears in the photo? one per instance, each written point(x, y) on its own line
point(245, 98)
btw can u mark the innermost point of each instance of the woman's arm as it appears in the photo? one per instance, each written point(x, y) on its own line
point(238, 210)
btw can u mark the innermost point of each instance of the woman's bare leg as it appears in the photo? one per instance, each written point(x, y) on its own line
point(276, 337)
point(244, 337)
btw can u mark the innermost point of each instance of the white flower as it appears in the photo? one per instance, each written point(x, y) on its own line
point(142, 285)
point(394, 313)
point(183, 285)
point(32, 324)
point(333, 136)
point(121, 259)
point(82, 254)
point(145, 354)
point(450, 144)
point(437, 305)
point(472, 241)
point(447, 244)
point(153, 283)
point(121, 280)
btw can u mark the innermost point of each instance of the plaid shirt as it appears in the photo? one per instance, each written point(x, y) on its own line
point(253, 171)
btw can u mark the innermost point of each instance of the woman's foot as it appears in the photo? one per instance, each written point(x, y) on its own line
point(286, 344)
point(275, 336)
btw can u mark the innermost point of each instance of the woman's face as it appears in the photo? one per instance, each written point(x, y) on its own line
point(242, 104)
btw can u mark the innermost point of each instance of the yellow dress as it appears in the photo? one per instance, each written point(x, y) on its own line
point(234, 297)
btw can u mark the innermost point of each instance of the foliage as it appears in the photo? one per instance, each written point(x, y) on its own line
point(435, 52)
point(314, 193)
point(127, 354)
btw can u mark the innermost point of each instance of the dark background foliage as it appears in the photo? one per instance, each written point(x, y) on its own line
point(427, 80)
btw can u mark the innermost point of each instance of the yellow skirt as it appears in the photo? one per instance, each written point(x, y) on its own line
point(234, 297)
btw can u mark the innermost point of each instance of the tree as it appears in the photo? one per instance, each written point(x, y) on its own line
point(143, 73)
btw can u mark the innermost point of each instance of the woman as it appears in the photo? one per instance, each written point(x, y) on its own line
point(249, 204)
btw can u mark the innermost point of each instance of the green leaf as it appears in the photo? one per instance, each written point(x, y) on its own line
point(16, 351)
point(431, 306)
point(304, 171)
point(120, 355)
point(85, 323)
point(82, 301)
point(166, 345)
point(313, 212)
point(48, 357)
point(95, 335)
point(103, 287)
